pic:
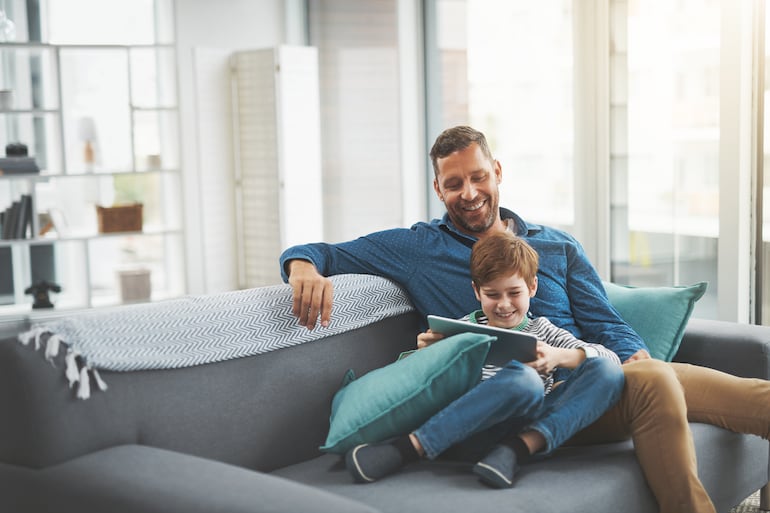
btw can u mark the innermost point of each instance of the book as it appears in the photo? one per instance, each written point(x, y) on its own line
point(9, 225)
point(29, 216)
point(18, 166)
point(24, 217)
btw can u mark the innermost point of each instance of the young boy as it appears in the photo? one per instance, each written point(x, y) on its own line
point(517, 410)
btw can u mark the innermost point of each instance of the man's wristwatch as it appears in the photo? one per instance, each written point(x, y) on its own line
point(590, 352)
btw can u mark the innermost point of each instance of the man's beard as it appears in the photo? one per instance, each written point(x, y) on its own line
point(461, 222)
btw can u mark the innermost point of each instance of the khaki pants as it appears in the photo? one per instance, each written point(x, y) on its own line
point(657, 402)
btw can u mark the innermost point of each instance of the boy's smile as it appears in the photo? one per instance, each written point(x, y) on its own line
point(505, 300)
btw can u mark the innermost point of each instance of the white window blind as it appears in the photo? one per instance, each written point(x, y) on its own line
point(278, 164)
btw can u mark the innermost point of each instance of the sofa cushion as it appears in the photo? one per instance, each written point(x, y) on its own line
point(395, 399)
point(658, 314)
point(139, 479)
point(597, 478)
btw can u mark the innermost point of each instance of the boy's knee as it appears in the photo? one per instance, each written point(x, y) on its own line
point(605, 366)
point(521, 372)
point(607, 371)
point(532, 382)
point(606, 375)
point(524, 381)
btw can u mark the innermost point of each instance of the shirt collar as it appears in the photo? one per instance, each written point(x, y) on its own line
point(522, 227)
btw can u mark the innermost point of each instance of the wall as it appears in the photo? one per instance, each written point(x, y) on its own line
point(206, 33)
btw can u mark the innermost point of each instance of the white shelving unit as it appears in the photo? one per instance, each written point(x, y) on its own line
point(122, 99)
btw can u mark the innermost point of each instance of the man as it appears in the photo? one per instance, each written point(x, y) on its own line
point(431, 262)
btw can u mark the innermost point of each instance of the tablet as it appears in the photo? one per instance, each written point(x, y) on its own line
point(510, 344)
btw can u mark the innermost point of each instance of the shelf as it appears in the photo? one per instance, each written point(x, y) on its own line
point(29, 111)
point(69, 46)
point(89, 237)
point(102, 122)
point(154, 109)
point(44, 177)
point(25, 44)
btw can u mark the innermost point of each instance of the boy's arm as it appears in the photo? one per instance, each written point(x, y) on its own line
point(564, 340)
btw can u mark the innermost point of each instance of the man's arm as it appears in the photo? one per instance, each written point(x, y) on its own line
point(598, 321)
point(306, 266)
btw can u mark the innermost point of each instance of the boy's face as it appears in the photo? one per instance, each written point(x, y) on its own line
point(505, 301)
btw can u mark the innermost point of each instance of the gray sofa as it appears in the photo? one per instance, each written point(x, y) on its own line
point(242, 435)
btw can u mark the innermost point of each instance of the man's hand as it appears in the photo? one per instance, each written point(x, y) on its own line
point(312, 294)
point(641, 354)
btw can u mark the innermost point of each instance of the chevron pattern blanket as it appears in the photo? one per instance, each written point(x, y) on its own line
point(196, 330)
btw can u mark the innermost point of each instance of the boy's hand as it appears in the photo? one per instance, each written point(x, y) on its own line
point(549, 358)
point(428, 338)
point(541, 362)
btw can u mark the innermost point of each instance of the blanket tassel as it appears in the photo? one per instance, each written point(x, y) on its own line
point(76, 370)
point(84, 387)
point(34, 333)
point(99, 381)
point(71, 367)
point(52, 347)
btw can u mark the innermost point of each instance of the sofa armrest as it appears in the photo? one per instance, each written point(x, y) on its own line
point(739, 349)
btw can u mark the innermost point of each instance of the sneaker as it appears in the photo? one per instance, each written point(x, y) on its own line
point(497, 468)
point(369, 462)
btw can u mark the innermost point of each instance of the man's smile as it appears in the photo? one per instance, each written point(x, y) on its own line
point(475, 206)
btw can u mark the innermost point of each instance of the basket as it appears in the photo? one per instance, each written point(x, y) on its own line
point(120, 218)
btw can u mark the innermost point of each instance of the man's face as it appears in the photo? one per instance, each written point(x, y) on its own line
point(467, 183)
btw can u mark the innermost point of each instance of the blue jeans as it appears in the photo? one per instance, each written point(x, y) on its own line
point(513, 401)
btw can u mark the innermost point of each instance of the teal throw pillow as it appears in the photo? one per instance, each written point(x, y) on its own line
point(398, 398)
point(658, 314)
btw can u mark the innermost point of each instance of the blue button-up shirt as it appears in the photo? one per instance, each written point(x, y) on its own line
point(431, 262)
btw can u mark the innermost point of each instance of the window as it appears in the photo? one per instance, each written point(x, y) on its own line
point(666, 133)
point(358, 56)
point(506, 68)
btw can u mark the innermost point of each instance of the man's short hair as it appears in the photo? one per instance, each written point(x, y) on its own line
point(503, 254)
point(456, 139)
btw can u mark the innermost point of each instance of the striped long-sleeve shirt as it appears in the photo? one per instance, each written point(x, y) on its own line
point(552, 335)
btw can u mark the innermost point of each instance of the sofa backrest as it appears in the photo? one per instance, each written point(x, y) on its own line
point(261, 412)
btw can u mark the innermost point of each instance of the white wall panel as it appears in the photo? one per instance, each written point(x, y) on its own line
point(216, 219)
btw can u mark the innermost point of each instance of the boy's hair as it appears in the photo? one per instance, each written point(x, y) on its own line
point(456, 139)
point(503, 254)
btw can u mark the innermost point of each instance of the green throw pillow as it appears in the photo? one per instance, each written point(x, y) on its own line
point(658, 314)
point(398, 398)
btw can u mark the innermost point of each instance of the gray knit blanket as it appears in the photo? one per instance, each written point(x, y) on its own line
point(196, 330)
